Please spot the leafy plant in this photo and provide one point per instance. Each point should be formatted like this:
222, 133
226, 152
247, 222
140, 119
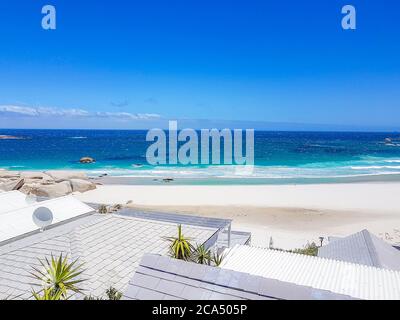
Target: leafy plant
103, 209
218, 258
180, 247
113, 294
58, 278
311, 249
91, 298
201, 255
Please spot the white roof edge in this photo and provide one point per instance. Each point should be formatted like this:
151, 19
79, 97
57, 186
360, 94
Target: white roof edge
18, 222
230, 251
2, 193
43, 203
355, 280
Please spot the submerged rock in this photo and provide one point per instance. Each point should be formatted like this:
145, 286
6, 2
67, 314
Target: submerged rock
6, 137
87, 160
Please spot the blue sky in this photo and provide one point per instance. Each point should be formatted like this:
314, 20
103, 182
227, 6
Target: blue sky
133, 64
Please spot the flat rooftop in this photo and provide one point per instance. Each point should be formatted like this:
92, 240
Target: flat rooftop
110, 246
178, 218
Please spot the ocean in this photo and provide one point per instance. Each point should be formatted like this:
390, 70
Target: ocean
280, 157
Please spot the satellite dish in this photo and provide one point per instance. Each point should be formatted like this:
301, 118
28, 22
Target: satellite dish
42, 217
30, 199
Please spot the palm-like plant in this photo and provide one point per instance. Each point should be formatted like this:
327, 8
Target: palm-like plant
218, 258
58, 278
47, 294
202, 255
180, 247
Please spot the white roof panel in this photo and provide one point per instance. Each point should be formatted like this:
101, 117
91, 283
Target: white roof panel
12, 200
17, 222
355, 280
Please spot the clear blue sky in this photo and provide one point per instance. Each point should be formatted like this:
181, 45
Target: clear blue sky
110, 62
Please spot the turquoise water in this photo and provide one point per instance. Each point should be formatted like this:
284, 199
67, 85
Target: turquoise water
279, 156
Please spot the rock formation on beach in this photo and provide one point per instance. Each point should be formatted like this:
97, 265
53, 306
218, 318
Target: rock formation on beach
49, 184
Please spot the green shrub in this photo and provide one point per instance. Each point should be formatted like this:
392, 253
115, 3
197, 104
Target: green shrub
103, 209
111, 293
311, 249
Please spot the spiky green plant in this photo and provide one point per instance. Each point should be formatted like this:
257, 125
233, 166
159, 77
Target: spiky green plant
47, 294
180, 247
218, 258
58, 278
201, 255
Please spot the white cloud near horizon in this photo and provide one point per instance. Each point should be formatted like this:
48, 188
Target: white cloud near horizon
21, 111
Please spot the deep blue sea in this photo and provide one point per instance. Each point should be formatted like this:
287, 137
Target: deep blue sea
279, 156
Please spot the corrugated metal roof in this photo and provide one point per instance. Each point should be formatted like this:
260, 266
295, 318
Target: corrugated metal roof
159, 277
363, 248
355, 280
17, 222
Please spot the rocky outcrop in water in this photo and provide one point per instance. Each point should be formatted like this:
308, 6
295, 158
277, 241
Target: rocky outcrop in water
51, 184
87, 160
6, 137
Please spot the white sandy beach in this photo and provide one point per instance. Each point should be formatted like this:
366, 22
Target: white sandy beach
291, 214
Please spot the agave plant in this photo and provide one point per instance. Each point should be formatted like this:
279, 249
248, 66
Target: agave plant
180, 247
59, 277
47, 294
201, 255
218, 258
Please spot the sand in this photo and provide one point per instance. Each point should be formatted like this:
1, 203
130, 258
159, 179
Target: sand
291, 214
